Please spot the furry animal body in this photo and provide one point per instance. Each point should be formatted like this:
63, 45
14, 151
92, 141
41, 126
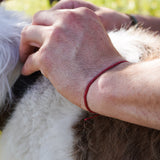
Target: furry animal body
46, 126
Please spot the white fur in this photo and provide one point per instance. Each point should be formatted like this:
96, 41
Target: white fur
41, 126
11, 24
131, 44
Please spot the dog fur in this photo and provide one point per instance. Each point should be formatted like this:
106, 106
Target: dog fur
46, 126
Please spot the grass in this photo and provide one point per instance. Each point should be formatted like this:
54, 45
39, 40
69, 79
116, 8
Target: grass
149, 7
28, 6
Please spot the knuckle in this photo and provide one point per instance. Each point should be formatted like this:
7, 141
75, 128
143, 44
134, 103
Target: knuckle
37, 16
56, 33
24, 31
70, 15
86, 11
78, 14
71, 18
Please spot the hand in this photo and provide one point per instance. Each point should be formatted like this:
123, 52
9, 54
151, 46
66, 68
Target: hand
109, 18
73, 48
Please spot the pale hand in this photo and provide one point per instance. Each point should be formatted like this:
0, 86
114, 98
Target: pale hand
73, 48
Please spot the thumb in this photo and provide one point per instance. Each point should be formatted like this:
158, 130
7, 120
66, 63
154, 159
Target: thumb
31, 65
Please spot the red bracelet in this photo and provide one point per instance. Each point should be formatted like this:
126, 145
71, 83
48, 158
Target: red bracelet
98, 75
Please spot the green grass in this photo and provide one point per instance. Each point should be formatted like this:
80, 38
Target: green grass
28, 6
149, 7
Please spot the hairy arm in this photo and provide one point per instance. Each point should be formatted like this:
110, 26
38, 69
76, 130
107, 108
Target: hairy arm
129, 92
73, 48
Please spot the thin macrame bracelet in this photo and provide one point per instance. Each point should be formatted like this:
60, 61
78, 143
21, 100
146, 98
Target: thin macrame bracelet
91, 82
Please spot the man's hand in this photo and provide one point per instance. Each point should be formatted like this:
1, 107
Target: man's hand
109, 18
73, 48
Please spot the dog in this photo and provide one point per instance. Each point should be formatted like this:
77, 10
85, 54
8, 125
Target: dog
40, 124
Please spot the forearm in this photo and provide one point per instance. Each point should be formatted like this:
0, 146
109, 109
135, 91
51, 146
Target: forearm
130, 93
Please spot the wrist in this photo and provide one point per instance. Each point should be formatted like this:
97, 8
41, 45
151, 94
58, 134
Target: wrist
112, 19
133, 20
125, 21
149, 22
92, 91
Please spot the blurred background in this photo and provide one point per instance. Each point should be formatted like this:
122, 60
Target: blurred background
148, 7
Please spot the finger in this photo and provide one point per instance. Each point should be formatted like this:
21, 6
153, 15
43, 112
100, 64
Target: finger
47, 17
42, 18
72, 4
31, 37
31, 65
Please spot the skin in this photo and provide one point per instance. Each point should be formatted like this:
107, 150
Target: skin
79, 55
129, 94
73, 47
